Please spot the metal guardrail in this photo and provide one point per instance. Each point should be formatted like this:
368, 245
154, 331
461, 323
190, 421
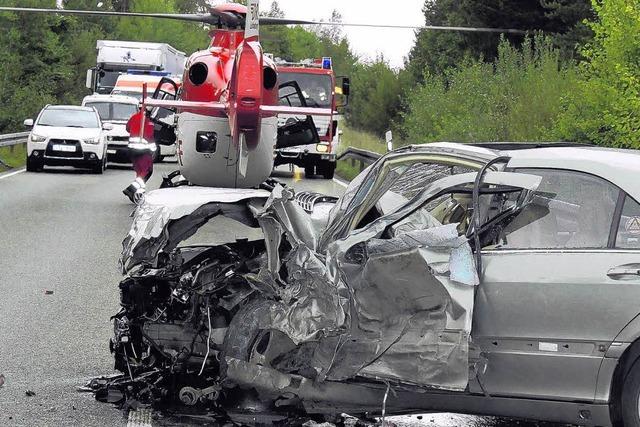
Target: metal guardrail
364, 157
12, 139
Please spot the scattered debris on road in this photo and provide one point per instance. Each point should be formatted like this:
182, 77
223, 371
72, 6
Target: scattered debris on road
1, 380
30, 393
48, 292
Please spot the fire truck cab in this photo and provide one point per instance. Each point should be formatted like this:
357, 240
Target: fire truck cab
315, 84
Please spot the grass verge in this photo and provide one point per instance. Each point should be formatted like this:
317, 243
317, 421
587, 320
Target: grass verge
358, 139
13, 157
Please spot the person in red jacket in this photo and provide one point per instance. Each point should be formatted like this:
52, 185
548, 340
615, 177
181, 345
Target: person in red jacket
142, 148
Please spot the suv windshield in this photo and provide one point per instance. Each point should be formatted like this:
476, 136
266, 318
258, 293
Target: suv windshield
316, 88
114, 111
67, 117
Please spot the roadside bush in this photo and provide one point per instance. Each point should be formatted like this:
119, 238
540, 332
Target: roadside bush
518, 97
605, 108
375, 96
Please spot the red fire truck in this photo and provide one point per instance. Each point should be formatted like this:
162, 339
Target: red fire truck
311, 83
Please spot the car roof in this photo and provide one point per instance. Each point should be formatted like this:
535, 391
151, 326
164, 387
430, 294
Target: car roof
68, 107
618, 166
621, 167
110, 98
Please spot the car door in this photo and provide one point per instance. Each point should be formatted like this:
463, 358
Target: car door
412, 279
556, 291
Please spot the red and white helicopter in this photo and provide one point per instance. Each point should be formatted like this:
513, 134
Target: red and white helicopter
225, 121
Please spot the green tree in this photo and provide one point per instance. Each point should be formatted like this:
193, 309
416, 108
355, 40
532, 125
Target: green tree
185, 36
36, 64
515, 98
605, 108
436, 51
376, 94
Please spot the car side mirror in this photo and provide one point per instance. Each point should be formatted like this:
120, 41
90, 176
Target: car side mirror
346, 86
28, 123
389, 138
107, 126
90, 79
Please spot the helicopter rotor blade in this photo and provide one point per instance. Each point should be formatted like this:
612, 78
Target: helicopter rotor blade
218, 17
285, 21
201, 18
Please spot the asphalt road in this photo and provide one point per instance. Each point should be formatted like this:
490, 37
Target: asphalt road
60, 237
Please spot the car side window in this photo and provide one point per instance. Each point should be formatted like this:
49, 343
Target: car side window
570, 210
628, 235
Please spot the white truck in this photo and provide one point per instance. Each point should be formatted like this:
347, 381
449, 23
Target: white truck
118, 57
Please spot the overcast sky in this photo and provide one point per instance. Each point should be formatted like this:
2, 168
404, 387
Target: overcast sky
367, 42
394, 44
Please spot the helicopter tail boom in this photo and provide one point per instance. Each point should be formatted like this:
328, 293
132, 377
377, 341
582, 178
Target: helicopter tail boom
252, 25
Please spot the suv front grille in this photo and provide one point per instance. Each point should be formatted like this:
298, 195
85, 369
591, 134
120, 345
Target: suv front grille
120, 138
51, 152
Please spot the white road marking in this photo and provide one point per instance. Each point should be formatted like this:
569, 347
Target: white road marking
340, 182
8, 174
140, 418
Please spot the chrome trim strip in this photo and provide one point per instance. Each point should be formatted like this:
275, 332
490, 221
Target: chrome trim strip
65, 158
559, 251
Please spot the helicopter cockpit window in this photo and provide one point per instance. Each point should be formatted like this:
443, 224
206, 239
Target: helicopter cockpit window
316, 88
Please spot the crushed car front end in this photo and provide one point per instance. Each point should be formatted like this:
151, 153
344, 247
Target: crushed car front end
360, 305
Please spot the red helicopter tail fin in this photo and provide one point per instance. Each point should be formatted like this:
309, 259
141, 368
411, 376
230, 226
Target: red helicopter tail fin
246, 82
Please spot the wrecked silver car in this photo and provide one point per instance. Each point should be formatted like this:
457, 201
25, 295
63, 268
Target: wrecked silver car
447, 277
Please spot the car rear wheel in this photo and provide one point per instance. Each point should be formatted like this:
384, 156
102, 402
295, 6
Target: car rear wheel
630, 402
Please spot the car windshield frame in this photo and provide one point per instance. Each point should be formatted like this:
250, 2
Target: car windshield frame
111, 108
368, 187
69, 117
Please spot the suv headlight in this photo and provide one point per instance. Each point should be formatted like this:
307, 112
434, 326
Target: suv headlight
37, 138
93, 140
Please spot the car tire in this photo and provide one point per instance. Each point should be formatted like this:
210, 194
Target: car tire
309, 171
327, 170
33, 165
630, 401
99, 168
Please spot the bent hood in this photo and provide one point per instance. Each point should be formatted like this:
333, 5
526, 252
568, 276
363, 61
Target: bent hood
171, 215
